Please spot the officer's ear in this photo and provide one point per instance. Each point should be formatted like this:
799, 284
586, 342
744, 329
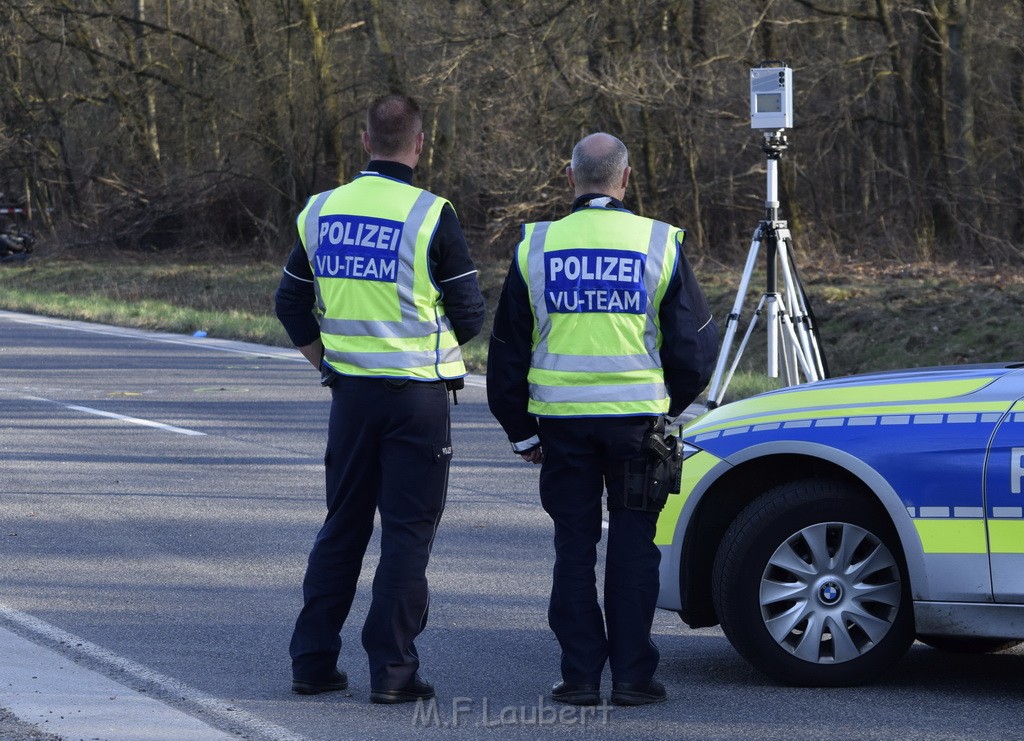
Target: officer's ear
625, 177
366, 143
419, 143
568, 174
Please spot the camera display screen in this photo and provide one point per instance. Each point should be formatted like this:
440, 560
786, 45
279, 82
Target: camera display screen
769, 103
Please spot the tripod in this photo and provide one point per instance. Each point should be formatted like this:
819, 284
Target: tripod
792, 334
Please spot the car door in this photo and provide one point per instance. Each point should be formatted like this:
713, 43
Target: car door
1004, 505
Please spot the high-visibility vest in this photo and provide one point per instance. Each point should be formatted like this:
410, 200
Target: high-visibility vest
596, 279
380, 312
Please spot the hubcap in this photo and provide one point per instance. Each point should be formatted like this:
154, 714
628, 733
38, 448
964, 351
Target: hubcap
830, 592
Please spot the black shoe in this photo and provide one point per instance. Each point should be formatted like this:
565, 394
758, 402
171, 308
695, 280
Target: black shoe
417, 689
638, 693
336, 682
576, 694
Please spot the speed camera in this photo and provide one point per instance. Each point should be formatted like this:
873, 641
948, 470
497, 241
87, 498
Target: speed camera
771, 98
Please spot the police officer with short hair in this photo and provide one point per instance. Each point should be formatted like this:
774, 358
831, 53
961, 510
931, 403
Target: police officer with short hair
601, 330
378, 294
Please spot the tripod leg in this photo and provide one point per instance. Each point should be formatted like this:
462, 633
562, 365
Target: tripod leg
782, 341
785, 346
739, 353
805, 343
815, 353
717, 389
773, 319
795, 356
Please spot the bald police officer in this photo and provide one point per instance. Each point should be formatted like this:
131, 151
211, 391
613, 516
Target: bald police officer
600, 331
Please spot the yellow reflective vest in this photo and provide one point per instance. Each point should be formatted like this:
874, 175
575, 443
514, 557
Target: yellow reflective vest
380, 311
596, 279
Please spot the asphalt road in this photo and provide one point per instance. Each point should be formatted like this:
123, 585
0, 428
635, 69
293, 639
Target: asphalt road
158, 497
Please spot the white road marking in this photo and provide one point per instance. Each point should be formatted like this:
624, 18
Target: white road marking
120, 417
232, 346
134, 420
48, 689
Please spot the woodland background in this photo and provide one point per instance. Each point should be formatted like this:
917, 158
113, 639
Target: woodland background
191, 123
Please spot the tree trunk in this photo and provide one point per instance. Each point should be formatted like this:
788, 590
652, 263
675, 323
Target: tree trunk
392, 77
146, 83
1016, 67
330, 109
268, 124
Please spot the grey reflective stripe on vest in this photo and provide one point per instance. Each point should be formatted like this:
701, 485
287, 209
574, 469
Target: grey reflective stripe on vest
656, 249
401, 360
312, 225
407, 254
535, 268
593, 363
312, 231
584, 394
403, 330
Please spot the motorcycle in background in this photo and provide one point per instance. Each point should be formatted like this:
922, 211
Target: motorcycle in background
16, 244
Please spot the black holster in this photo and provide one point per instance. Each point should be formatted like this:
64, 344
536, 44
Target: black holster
455, 385
327, 374
656, 472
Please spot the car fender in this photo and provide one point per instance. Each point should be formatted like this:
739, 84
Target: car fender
673, 539
910, 541
670, 539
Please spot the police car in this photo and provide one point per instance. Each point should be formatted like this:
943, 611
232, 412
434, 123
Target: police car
827, 525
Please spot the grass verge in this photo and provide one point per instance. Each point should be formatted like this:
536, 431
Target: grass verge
872, 315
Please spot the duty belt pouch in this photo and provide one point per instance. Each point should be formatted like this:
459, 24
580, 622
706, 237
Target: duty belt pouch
455, 385
655, 473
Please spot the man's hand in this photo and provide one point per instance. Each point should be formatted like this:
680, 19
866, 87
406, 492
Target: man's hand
534, 455
674, 424
529, 450
313, 352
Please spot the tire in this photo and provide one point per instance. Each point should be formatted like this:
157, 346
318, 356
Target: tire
968, 644
810, 586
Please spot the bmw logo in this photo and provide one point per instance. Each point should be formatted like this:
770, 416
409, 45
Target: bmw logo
830, 592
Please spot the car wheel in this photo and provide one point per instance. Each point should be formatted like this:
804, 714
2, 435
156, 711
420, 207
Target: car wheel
968, 644
810, 586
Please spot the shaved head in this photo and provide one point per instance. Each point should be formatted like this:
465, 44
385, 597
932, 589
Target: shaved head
598, 161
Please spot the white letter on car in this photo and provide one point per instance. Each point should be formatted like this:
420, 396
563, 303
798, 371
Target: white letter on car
1016, 469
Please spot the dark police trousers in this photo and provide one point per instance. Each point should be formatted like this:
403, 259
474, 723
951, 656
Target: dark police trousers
388, 449
581, 457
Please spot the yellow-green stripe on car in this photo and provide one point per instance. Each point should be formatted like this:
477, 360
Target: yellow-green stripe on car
952, 535
694, 469
1006, 536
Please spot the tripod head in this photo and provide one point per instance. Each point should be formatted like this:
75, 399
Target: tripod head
774, 144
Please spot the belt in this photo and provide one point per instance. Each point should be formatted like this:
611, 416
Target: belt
395, 382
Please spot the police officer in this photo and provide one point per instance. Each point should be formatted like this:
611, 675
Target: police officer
378, 294
601, 329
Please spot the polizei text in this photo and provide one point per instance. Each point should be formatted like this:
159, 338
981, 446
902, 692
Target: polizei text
610, 281
357, 247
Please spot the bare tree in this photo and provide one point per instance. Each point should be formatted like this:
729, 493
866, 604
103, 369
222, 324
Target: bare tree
199, 121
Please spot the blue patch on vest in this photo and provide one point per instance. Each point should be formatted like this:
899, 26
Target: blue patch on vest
586, 281
357, 247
